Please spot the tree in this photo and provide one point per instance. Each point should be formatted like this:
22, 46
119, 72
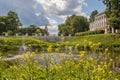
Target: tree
92, 16
37, 31
10, 22
113, 12
3, 24
65, 29
73, 24
14, 21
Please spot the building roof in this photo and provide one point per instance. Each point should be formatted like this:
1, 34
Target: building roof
100, 14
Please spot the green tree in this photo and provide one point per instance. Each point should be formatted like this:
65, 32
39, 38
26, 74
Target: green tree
113, 12
73, 24
37, 31
92, 16
14, 21
3, 27
10, 22
65, 29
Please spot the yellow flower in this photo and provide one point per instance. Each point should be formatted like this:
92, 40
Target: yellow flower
99, 43
85, 40
111, 60
116, 79
91, 59
90, 43
99, 68
110, 72
67, 42
82, 53
106, 50
57, 49
36, 50
76, 46
94, 71
49, 49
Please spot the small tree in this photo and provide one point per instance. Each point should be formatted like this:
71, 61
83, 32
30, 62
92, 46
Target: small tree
92, 16
113, 13
10, 32
37, 31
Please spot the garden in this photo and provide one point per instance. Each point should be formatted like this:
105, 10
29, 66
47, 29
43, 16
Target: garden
77, 58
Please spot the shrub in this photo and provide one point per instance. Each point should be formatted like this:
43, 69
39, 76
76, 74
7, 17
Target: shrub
90, 32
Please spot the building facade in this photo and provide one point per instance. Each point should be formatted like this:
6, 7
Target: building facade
100, 22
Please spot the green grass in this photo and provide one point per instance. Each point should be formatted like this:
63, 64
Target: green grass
14, 43
74, 68
107, 40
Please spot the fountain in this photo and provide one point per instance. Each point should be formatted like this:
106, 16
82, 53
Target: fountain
23, 48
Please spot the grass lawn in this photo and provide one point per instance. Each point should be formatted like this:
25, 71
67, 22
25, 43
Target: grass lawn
107, 40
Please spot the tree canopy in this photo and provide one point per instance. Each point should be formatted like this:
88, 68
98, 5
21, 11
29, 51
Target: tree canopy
31, 30
113, 12
73, 24
92, 16
10, 22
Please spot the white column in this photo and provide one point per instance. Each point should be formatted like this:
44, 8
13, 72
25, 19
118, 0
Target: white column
113, 31
106, 31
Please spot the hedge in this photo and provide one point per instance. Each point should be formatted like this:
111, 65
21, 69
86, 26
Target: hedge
90, 32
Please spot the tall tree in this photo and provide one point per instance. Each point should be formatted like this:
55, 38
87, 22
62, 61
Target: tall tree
73, 24
92, 16
14, 21
3, 24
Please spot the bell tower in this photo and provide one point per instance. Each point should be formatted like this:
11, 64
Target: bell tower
46, 29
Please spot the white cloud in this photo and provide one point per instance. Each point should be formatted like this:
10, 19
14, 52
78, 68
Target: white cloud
52, 26
61, 9
41, 12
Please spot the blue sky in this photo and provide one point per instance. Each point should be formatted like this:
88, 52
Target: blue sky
93, 5
51, 12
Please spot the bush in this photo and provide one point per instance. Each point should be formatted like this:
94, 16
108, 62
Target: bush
10, 32
90, 33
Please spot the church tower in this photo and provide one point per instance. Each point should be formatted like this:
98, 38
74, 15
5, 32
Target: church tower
46, 29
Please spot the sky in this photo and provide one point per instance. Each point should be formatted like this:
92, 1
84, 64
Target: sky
50, 12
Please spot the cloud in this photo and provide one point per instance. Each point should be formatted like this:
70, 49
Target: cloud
42, 12
61, 7
52, 27
25, 10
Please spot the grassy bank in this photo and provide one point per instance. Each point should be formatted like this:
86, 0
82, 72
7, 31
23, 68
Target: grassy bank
15, 43
108, 40
89, 41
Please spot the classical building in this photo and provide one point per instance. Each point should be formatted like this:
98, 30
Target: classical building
100, 23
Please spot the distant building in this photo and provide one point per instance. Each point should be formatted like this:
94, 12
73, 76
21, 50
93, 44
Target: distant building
46, 29
100, 23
